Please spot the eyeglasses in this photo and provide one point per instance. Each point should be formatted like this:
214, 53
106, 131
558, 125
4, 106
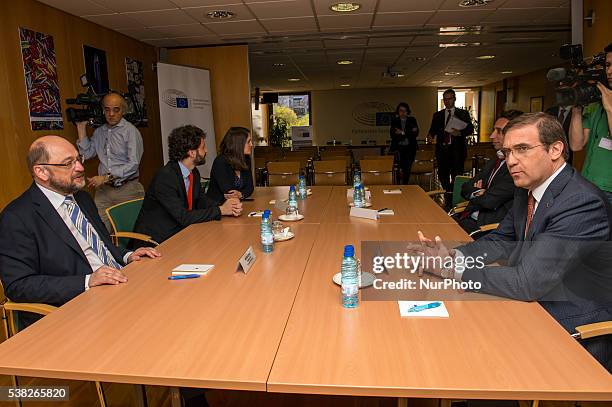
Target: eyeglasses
69, 164
519, 151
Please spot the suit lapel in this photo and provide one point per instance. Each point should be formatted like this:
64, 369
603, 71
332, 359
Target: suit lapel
547, 201
50, 216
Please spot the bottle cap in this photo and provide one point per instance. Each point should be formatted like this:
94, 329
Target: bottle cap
349, 250
292, 188
266, 213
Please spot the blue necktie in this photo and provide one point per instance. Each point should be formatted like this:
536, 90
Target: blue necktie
89, 233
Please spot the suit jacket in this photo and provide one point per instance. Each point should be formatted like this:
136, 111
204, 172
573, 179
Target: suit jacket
494, 204
40, 260
438, 123
222, 177
164, 209
564, 261
411, 131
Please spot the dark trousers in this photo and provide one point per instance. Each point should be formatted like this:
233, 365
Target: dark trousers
405, 157
450, 161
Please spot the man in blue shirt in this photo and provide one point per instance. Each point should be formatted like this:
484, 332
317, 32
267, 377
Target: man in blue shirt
118, 146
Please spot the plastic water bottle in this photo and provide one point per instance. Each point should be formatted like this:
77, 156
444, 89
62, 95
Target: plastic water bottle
356, 178
292, 197
358, 197
302, 187
350, 278
267, 237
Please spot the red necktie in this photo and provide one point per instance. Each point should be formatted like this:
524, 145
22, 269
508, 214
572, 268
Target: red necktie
530, 208
190, 192
561, 115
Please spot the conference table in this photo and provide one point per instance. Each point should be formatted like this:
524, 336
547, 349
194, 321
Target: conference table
281, 327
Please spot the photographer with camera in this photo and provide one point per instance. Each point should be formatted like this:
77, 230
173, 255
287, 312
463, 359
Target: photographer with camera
118, 145
590, 130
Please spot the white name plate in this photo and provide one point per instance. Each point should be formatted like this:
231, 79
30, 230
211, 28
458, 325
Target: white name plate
364, 213
247, 260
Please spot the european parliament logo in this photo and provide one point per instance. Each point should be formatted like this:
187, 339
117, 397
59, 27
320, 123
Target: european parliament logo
182, 103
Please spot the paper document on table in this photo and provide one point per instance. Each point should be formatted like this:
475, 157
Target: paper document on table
436, 312
201, 269
456, 124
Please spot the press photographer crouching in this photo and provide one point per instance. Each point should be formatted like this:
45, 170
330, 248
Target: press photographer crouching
119, 147
590, 128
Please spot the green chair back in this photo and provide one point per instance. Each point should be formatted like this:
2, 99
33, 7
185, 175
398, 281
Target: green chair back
123, 217
459, 181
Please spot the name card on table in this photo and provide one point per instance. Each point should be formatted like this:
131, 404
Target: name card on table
392, 191
364, 213
247, 260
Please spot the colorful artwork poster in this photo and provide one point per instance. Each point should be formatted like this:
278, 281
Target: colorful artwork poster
96, 69
135, 82
42, 87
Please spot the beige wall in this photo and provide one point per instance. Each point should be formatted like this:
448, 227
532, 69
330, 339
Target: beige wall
69, 34
334, 112
229, 81
597, 37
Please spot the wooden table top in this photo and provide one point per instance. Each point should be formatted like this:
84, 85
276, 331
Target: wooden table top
411, 206
484, 350
312, 207
218, 331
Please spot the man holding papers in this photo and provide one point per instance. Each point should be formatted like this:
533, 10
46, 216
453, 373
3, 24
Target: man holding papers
450, 126
554, 244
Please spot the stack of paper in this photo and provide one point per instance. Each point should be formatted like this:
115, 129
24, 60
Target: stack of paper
201, 269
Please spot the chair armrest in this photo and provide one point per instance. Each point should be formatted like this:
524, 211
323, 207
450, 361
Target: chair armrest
436, 192
485, 228
592, 330
41, 309
137, 236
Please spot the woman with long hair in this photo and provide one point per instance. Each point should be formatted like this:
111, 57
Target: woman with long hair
231, 176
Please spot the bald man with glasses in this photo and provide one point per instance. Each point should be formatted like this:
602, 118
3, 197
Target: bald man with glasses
53, 244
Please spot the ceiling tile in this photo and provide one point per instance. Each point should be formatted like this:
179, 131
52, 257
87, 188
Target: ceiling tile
115, 21
290, 24
163, 17
143, 33
531, 3
78, 8
398, 6
459, 17
454, 5
386, 41
202, 3
417, 18
241, 13
503, 16
163, 42
361, 21
121, 6
236, 27
348, 43
282, 9
197, 41
183, 30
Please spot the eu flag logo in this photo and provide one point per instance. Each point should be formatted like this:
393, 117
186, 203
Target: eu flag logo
182, 103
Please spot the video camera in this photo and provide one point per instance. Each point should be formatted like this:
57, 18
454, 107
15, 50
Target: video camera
578, 84
93, 111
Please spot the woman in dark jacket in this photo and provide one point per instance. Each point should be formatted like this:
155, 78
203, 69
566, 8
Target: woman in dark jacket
230, 176
404, 131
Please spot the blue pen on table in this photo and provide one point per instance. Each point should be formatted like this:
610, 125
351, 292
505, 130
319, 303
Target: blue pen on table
183, 277
383, 209
418, 308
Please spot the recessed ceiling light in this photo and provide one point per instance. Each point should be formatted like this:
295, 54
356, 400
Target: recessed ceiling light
474, 3
400, 75
452, 73
458, 44
278, 65
345, 7
486, 57
220, 14
436, 81
456, 30
345, 85
506, 72
345, 62
294, 79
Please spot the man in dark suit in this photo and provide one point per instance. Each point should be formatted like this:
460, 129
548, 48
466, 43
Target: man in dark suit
564, 116
491, 192
555, 242
53, 244
175, 199
451, 143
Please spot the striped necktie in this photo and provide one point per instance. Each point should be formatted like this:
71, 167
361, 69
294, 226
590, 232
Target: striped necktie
89, 233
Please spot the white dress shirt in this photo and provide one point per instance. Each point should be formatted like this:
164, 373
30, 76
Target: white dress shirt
57, 201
